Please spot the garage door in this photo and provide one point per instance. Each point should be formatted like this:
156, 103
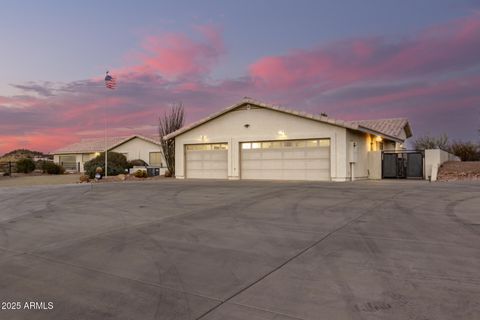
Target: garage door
286, 160
68, 162
207, 161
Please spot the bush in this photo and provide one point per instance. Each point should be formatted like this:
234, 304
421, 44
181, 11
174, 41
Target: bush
140, 174
467, 151
167, 174
52, 168
84, 178
428, 142
117, 163
137, 163
25, 165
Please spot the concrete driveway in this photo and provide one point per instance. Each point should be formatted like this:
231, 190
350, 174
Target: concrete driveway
241, 250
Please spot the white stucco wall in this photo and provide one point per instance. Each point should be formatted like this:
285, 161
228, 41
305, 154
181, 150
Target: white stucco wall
138, 149
374, 165
264, 125
357, 158
434, 158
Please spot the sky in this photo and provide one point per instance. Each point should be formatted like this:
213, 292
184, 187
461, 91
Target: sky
353, 60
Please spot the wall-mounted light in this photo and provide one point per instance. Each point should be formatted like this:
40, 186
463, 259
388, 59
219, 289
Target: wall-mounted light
203, 138
378, 139
97, 154
282, 133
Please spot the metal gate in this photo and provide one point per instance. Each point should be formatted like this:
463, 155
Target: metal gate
402, 164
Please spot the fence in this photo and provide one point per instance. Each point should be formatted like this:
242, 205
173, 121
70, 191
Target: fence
7, 168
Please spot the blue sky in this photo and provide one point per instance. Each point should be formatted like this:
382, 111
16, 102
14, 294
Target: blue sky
59, 43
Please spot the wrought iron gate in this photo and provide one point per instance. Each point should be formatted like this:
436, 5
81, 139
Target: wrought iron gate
402, 164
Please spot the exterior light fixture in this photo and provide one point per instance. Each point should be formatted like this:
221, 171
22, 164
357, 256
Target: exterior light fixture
378, 139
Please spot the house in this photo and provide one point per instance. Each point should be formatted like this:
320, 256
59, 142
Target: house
255, 140
74, 156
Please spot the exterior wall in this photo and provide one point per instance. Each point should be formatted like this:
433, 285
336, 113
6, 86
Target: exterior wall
357, 157
134, 149
374, 165
80, 158
263, 125
138, 149
434, 158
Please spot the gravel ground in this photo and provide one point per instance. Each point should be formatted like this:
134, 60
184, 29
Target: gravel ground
459, 170
35, 180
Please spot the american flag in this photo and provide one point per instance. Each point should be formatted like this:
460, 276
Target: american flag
110, 82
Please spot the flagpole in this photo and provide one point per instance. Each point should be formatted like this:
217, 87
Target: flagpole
110, 84
106, 149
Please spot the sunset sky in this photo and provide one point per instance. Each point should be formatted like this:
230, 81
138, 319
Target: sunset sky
351, 59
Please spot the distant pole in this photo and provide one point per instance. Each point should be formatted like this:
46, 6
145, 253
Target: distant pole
110, 83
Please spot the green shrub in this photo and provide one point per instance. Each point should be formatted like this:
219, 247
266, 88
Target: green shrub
117, 163
25, 165
137, 163
52, 168
140, 174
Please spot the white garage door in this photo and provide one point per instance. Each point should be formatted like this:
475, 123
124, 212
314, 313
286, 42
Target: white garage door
286, 160
207, 161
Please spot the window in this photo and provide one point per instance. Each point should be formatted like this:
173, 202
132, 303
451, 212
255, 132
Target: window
256, 145
207, 147
155, 159
310, 143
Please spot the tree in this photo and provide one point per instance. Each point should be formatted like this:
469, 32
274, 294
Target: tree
467, 151
171, 121
25, 165
430, 142
117, 163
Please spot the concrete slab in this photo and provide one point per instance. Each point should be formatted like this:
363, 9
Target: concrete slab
242, 250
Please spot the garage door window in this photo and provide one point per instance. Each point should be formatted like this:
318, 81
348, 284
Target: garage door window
313, 143
207, 147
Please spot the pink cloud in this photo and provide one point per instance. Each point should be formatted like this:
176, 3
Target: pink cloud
425, 78
449, 47
177, 55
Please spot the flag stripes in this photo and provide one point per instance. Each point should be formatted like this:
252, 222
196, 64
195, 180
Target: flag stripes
110, 82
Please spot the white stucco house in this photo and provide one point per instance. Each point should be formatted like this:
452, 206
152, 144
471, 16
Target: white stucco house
255, 140
72, 157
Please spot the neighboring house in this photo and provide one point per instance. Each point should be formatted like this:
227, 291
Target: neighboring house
74, 156
254, 140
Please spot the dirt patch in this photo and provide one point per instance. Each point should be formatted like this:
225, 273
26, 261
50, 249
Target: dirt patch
24, 180
459, 170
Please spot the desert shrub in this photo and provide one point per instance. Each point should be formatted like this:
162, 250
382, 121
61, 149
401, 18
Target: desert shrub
117, 163
140, 174
167, 174
137, 163
84, 178
52, 168
25, 165
467, 151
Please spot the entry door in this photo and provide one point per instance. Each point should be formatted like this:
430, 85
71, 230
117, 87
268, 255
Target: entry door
206, 161
286, 160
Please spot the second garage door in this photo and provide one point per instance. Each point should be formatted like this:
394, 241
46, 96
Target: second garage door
286, 160
207, 161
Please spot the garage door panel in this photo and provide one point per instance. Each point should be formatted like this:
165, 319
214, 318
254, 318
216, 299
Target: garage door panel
291, 160
207, 163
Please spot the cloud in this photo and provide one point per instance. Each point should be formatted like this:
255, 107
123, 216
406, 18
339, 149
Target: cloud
175, 55
44, 90
454, 46
431, 78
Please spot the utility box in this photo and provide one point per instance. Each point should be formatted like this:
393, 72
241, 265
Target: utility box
153, 171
